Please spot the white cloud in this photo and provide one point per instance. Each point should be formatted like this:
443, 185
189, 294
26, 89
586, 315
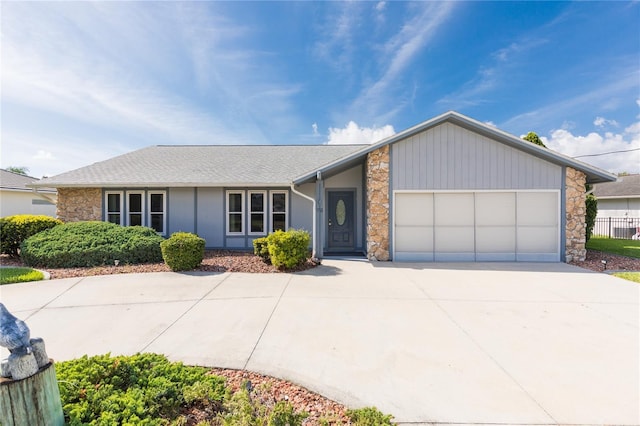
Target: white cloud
564, 141
603, 122
491, 123
352, 134
314, 127
381, 5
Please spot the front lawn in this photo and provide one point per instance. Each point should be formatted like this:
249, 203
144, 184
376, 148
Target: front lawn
630, 248
19, 275
631, 276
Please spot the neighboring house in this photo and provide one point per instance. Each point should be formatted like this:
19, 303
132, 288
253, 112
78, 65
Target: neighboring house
448, 189
618, 208
619, 199
17, 198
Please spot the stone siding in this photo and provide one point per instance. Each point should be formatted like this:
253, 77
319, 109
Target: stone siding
79, 204
378, 204
576, 210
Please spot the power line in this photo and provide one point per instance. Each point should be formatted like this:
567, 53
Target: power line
607, 153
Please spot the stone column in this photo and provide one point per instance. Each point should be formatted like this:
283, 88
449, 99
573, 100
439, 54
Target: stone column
575, 215
378, 204
79, 204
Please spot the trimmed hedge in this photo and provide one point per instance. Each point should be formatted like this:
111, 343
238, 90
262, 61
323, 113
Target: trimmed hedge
288, 249
591, 204
17, 228
84, 244
183, 251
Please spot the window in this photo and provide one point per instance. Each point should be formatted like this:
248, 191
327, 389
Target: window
257, 213
235, 212
135, 208
278, 212
113, 207
157, 207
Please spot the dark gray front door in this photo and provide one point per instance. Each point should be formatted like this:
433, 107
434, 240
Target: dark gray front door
341, 221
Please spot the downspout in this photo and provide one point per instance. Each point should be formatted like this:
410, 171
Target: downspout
313, 234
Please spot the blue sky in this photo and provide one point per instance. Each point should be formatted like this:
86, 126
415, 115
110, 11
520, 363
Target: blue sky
83, 82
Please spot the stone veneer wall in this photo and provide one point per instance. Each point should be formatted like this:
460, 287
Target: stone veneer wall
378, 204
576, 210
78, 204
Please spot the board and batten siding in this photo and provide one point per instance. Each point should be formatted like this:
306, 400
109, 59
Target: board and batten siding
449, 157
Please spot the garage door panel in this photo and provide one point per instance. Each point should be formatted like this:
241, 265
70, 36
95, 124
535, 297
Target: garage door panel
454, 209
414, 238
537, 239
414, 209
495, 239
537, 209
495, 208
454, 239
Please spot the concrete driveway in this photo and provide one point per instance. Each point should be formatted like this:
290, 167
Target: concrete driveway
430, 343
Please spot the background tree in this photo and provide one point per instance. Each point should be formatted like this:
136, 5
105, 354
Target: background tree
534, 138
21, 170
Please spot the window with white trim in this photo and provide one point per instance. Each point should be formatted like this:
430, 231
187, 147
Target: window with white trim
113, 207
135, 208
257, 212
157, 218
278, 210
235, 212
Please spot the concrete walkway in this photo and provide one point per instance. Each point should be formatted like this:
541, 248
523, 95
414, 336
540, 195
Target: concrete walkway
437, 343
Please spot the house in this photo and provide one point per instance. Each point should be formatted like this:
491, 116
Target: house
449, 189
618, 208
17, 198
620, 198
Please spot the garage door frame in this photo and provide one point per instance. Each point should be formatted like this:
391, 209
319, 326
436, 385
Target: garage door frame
519, 255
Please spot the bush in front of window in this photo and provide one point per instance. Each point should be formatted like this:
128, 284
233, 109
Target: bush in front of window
183, 251
261, 248
288, 249
86, 244
17, 228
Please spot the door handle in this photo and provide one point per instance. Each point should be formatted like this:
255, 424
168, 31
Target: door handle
329, 222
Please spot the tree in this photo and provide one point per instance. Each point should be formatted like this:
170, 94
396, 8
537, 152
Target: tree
591, 204
534, 138
21, 170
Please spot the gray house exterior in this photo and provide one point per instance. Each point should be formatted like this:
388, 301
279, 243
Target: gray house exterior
448, 189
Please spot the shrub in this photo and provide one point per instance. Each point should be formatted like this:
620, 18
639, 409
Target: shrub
15, 229
143, 388
84, 244
183, 251
591, 204
288, 249
261, 248
368, 416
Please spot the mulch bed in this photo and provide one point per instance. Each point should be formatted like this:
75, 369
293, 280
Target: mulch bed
614, 262
214, 261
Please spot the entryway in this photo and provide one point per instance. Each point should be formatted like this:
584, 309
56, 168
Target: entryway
341, 221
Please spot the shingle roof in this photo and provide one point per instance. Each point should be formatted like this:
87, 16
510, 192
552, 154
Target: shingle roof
17, 182
625, 187
203, 165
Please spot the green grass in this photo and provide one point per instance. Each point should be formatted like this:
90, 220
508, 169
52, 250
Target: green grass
631, 276
630, 248
19, 275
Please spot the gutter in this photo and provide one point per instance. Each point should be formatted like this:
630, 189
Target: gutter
313, 234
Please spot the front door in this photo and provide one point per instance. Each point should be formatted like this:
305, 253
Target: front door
341, 221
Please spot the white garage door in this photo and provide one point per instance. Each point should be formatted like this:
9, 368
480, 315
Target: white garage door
476, 226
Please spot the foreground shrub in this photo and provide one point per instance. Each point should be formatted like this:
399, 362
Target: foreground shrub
183, 251
591, 204
288, 249
261, 248
19, 275
83, 244
143, 388
369, 416
15, 229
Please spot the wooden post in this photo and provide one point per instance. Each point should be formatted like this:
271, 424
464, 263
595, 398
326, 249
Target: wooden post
31, 401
